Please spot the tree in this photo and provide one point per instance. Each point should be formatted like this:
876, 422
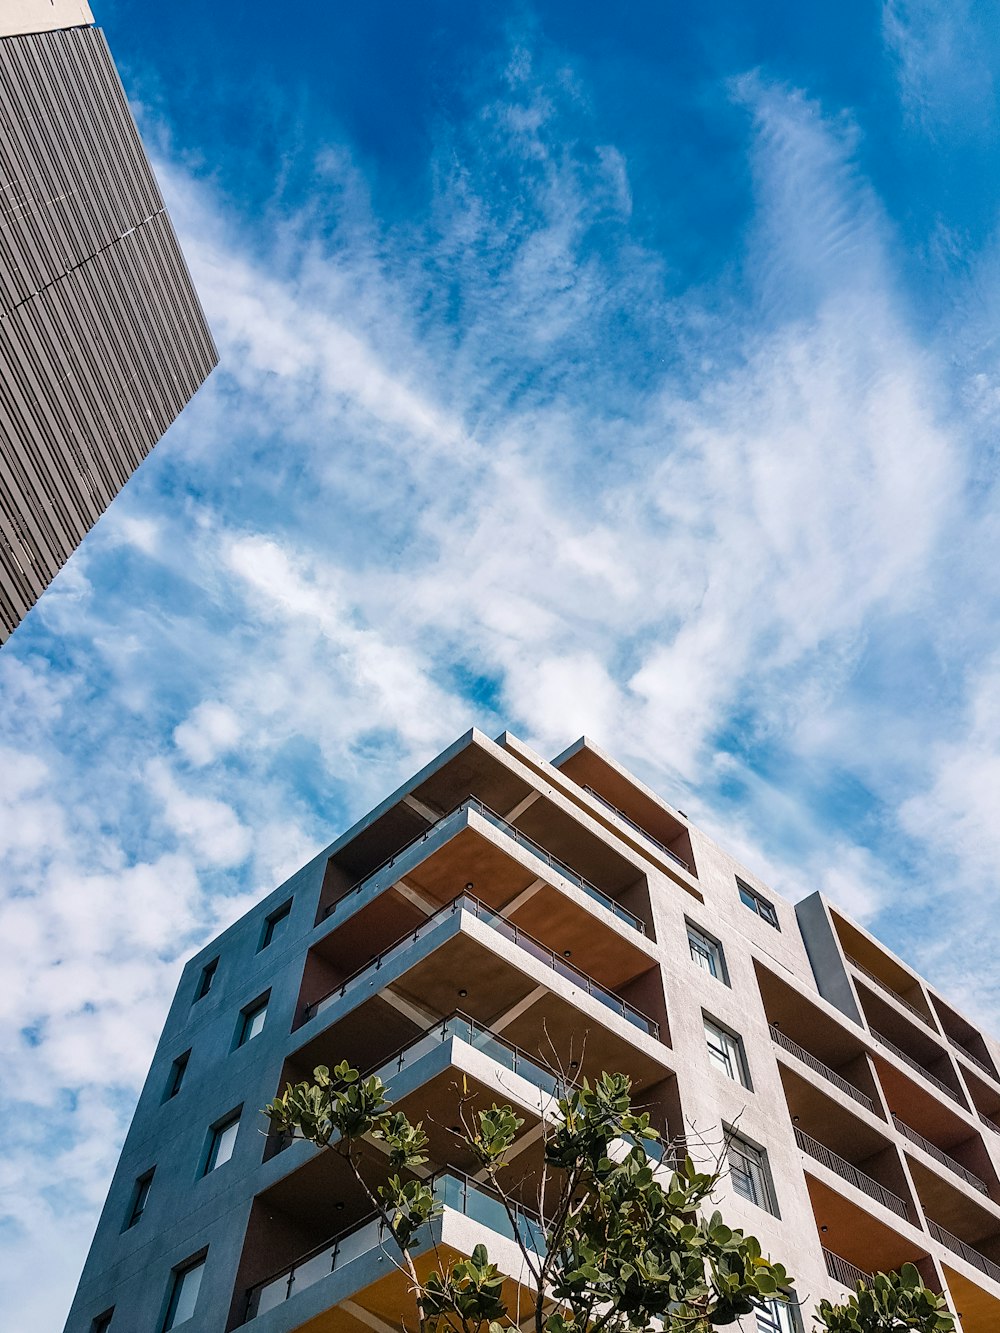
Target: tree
611, 1248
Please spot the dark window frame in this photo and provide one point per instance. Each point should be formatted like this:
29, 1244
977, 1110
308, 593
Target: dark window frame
247, 1015
760, 1191
737, 1057
102, 1322
715, 948
216, 1132
758, 904
207, 978
275, 923
178, 1072
178, 1276
140, 1198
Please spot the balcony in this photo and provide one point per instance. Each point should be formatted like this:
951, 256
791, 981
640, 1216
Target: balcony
453, 822
847, 1274
630, 805
960, 1247
678, 860
888, 990
940, 1155
834, 1162
468, 956
367, 1240
818, 1067
900, 1054
539, 954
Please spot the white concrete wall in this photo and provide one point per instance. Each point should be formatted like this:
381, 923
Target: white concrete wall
18, 17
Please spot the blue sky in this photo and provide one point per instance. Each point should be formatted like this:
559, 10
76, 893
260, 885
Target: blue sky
635, 377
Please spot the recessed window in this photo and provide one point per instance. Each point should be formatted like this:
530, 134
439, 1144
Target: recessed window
275, 924
103, 1321
176, 1077
251, 1021
757, 903
207, 977
140, 1195
707, 953
725, 1050
222, 1141
749, 1174
184, 1287
776, 1316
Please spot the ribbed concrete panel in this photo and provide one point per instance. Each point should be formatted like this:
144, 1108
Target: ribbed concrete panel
102, 338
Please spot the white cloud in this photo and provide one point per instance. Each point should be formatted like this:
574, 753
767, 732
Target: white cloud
209, 731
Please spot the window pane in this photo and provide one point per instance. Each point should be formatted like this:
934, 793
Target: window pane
705, 952
223, 1143
207, 977
255, 1021
184, 1295
748, 898
749, 1174
177, 1070
775, 1317
275, 924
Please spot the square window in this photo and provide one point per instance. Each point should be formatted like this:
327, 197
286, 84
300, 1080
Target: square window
757, 903
707, 953
251, 1021
103, 1321
140, 1195
749, 1174
176, 1078
184, 1287
221, 1142
207, 977
725, 1050
275, 924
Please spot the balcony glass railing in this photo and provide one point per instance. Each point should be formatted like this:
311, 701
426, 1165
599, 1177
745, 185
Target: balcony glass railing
939, 1154
638, 828
515, 834
539, 953
970, 1255
915, 1064
831, 1075
847, 1171
451, 1188
480, 1038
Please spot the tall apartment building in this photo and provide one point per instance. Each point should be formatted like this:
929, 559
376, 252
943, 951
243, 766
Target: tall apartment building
496, 915
102, 338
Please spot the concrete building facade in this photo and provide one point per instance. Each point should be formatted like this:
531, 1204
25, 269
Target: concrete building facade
102, 337
498, 916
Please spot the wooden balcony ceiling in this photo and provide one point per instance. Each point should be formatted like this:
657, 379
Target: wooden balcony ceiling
978, 1309
853, 1233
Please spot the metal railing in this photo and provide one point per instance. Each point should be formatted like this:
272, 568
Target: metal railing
638, 828
831, 1075
451, 1188
478, 1036
498, 822
884, 985
843, 1271
980, 1064
847, 1171
970, 1255
915, 1064
465, 902
990, 1124
939, 1154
